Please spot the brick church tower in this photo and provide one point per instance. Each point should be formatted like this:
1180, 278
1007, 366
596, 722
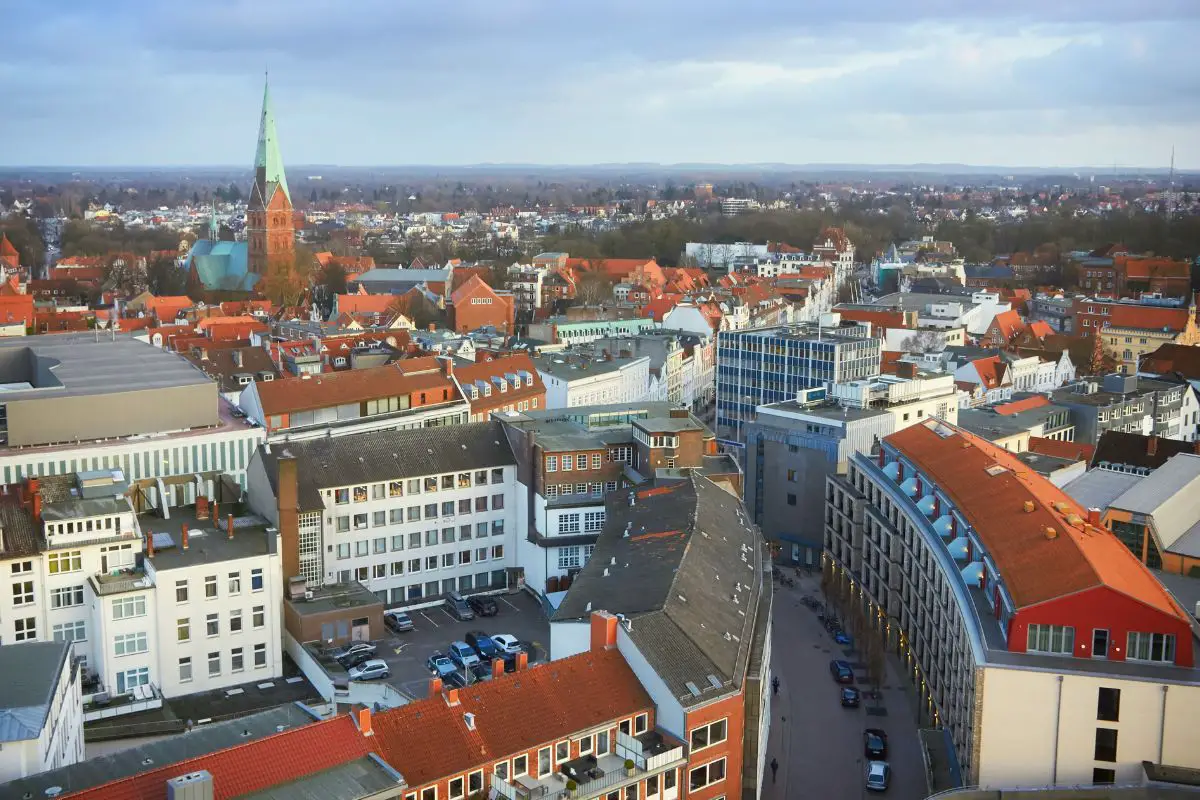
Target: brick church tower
269, 226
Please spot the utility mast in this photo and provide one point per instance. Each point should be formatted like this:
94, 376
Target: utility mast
1171, 185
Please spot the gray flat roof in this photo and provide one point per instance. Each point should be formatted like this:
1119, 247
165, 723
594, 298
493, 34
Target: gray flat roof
334, 597
72, 365
916, 301
208, 541
830, 411
363, 777
568, 367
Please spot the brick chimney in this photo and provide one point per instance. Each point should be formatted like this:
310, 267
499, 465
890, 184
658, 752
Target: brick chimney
522, 661
906, 369
216, 513
604, 631
435, 687
149, 544
288, 500
201, 507
183, 534
229, 525
35, 499
447, 365
497, 667
452, 697
364, 722
1152, 445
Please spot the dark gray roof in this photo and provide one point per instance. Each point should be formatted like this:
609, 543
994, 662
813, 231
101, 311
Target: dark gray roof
388, 455
200, 740
19, 537
1134, 449
364, 777
30, 671
690, 551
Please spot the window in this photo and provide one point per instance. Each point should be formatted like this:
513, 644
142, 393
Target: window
360, 522
1058, 639
343, 524
497, 551
414, 565
343, 550
214, 664
568, 523
497, 527
475, 781
568, 463
431, 562
185, 669
1151, 647
70, 632
631, 792
66, 597
58, 563
497, 502
127, 607
502, 770
429, 793
128, 644
22, 567
455, 788
256, 580
562, 752
707, 775
447, 560
396, 489
520, 765
414, 513
1108, 705
585, 745
1106, 744
1102, 776
341, 496
235, 621
130, 679
260, 655
593, 521
183, 629
378, 519
235, 583
26, 629
498, 475
212, 624
210, 586
710, 734
237, 661
362, 548
551, 463
639, 724
181, 591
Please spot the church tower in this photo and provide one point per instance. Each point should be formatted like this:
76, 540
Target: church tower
269, 225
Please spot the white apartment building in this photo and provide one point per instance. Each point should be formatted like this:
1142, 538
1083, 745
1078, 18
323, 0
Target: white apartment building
571, 381
41, 709
410, 515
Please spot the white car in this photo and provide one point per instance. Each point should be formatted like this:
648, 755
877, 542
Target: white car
507, 643
878, 775
370, 670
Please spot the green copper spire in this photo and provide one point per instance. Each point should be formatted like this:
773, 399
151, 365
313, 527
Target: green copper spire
214, 227
267, 156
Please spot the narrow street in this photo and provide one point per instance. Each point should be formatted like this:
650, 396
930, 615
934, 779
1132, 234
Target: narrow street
817, 742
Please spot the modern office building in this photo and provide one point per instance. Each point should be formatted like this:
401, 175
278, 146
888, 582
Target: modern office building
771, 365
1033, 635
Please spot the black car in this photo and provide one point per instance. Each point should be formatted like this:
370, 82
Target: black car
354, 659
482, 644
479, 672
875, 744
850, 697
841, 671
455, 680
483, 606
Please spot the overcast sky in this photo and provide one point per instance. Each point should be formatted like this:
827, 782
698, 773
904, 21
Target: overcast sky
388, 82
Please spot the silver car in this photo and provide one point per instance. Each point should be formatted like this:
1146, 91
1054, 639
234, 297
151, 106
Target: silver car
878, 775
370, 670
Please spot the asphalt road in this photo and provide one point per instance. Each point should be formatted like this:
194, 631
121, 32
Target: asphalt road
819, 744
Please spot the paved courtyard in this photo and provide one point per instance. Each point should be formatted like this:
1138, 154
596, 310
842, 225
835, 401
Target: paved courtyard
819, 744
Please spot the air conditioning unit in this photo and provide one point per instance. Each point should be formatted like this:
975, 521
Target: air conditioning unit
308, 595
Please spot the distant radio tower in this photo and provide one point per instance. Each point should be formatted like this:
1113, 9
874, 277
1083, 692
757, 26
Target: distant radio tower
1171, 184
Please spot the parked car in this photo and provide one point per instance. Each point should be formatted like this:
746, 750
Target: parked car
398, 621
370, 670
484, 646
353, 649
878, 775
483, 606
850, 697
875, 744
507, 643
480, 672
455, 680
354, 660
440, 665
458, 607
841, 672
843, 638
462, 654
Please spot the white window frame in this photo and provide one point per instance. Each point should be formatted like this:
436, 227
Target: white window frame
707, 728
706, 766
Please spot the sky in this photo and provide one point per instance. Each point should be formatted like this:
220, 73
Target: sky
398, 82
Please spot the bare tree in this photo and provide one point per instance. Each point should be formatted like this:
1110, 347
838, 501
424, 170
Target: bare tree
594, 287
924, 341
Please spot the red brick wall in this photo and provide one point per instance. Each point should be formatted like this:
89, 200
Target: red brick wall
733, 710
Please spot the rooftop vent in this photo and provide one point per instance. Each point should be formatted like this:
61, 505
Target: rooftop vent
1051, 533
693, 688
996, 469
1029, 506
469, 719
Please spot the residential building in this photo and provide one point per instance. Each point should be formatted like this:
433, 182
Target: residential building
410, 394
833, 246
1141, 327
577, 379
570, 459
492, 385
770, 365
41, 709
561, 330
1136, 453
1124, 403
1013, 425
1033, 636
233, 368
680, 362
409, 514
685, 579
973, 311
1055, 311
1131, 345
476, 305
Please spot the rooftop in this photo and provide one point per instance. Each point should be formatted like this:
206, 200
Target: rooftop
682, 562
208, 540
31, 671
1096, 488
335, 597
1135, 450
832, 412
329, 389
568, 366
1168, 496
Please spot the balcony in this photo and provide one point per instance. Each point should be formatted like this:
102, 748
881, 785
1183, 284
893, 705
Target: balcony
595, 776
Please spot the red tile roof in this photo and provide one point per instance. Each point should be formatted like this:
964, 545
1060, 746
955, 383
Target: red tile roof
1074, 451
1008, 323
990, 371
1017, 406
249, 767
990, 487
339, 388
1170, 358
364, 303
429, 740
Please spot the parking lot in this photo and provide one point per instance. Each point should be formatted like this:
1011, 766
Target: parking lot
434, 629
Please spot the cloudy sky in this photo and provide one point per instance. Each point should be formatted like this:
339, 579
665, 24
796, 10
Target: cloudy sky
388, 82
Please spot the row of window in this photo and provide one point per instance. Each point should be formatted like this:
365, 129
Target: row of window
446, 560
566, 489
575, 557
237, 662
85, 526
397, 488
579, 461
212, 623
211, 585
1060, 640
397, 516
593, 522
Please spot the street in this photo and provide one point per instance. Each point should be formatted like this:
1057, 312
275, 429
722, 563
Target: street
817, 742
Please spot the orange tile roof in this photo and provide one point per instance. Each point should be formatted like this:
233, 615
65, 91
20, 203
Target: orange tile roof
364, 303
1040, 328
1128, 315
1035, 569
167, 307
990, 370
1008, 322
1017, 406
249, 767
428, 740
1074, 451
475, 285
339, 388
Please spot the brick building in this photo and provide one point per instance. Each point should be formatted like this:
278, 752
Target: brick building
476, 305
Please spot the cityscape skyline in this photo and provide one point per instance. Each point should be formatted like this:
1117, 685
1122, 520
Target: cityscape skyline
1020, 86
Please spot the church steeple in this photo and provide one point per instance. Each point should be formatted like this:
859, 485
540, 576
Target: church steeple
214, 228
266, 157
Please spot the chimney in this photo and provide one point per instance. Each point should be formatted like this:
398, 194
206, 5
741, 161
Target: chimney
522, 661
201, 507
149, 544
35, 498
184, 535
1093, 518
906, 369
497, 667
1152, 445
288, 502
229, 525
435, 687
237, 358
452, 697
604, 631
447, 365
364, 722
216, 513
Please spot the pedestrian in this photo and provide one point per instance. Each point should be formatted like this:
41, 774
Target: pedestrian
775, 685
774, 769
